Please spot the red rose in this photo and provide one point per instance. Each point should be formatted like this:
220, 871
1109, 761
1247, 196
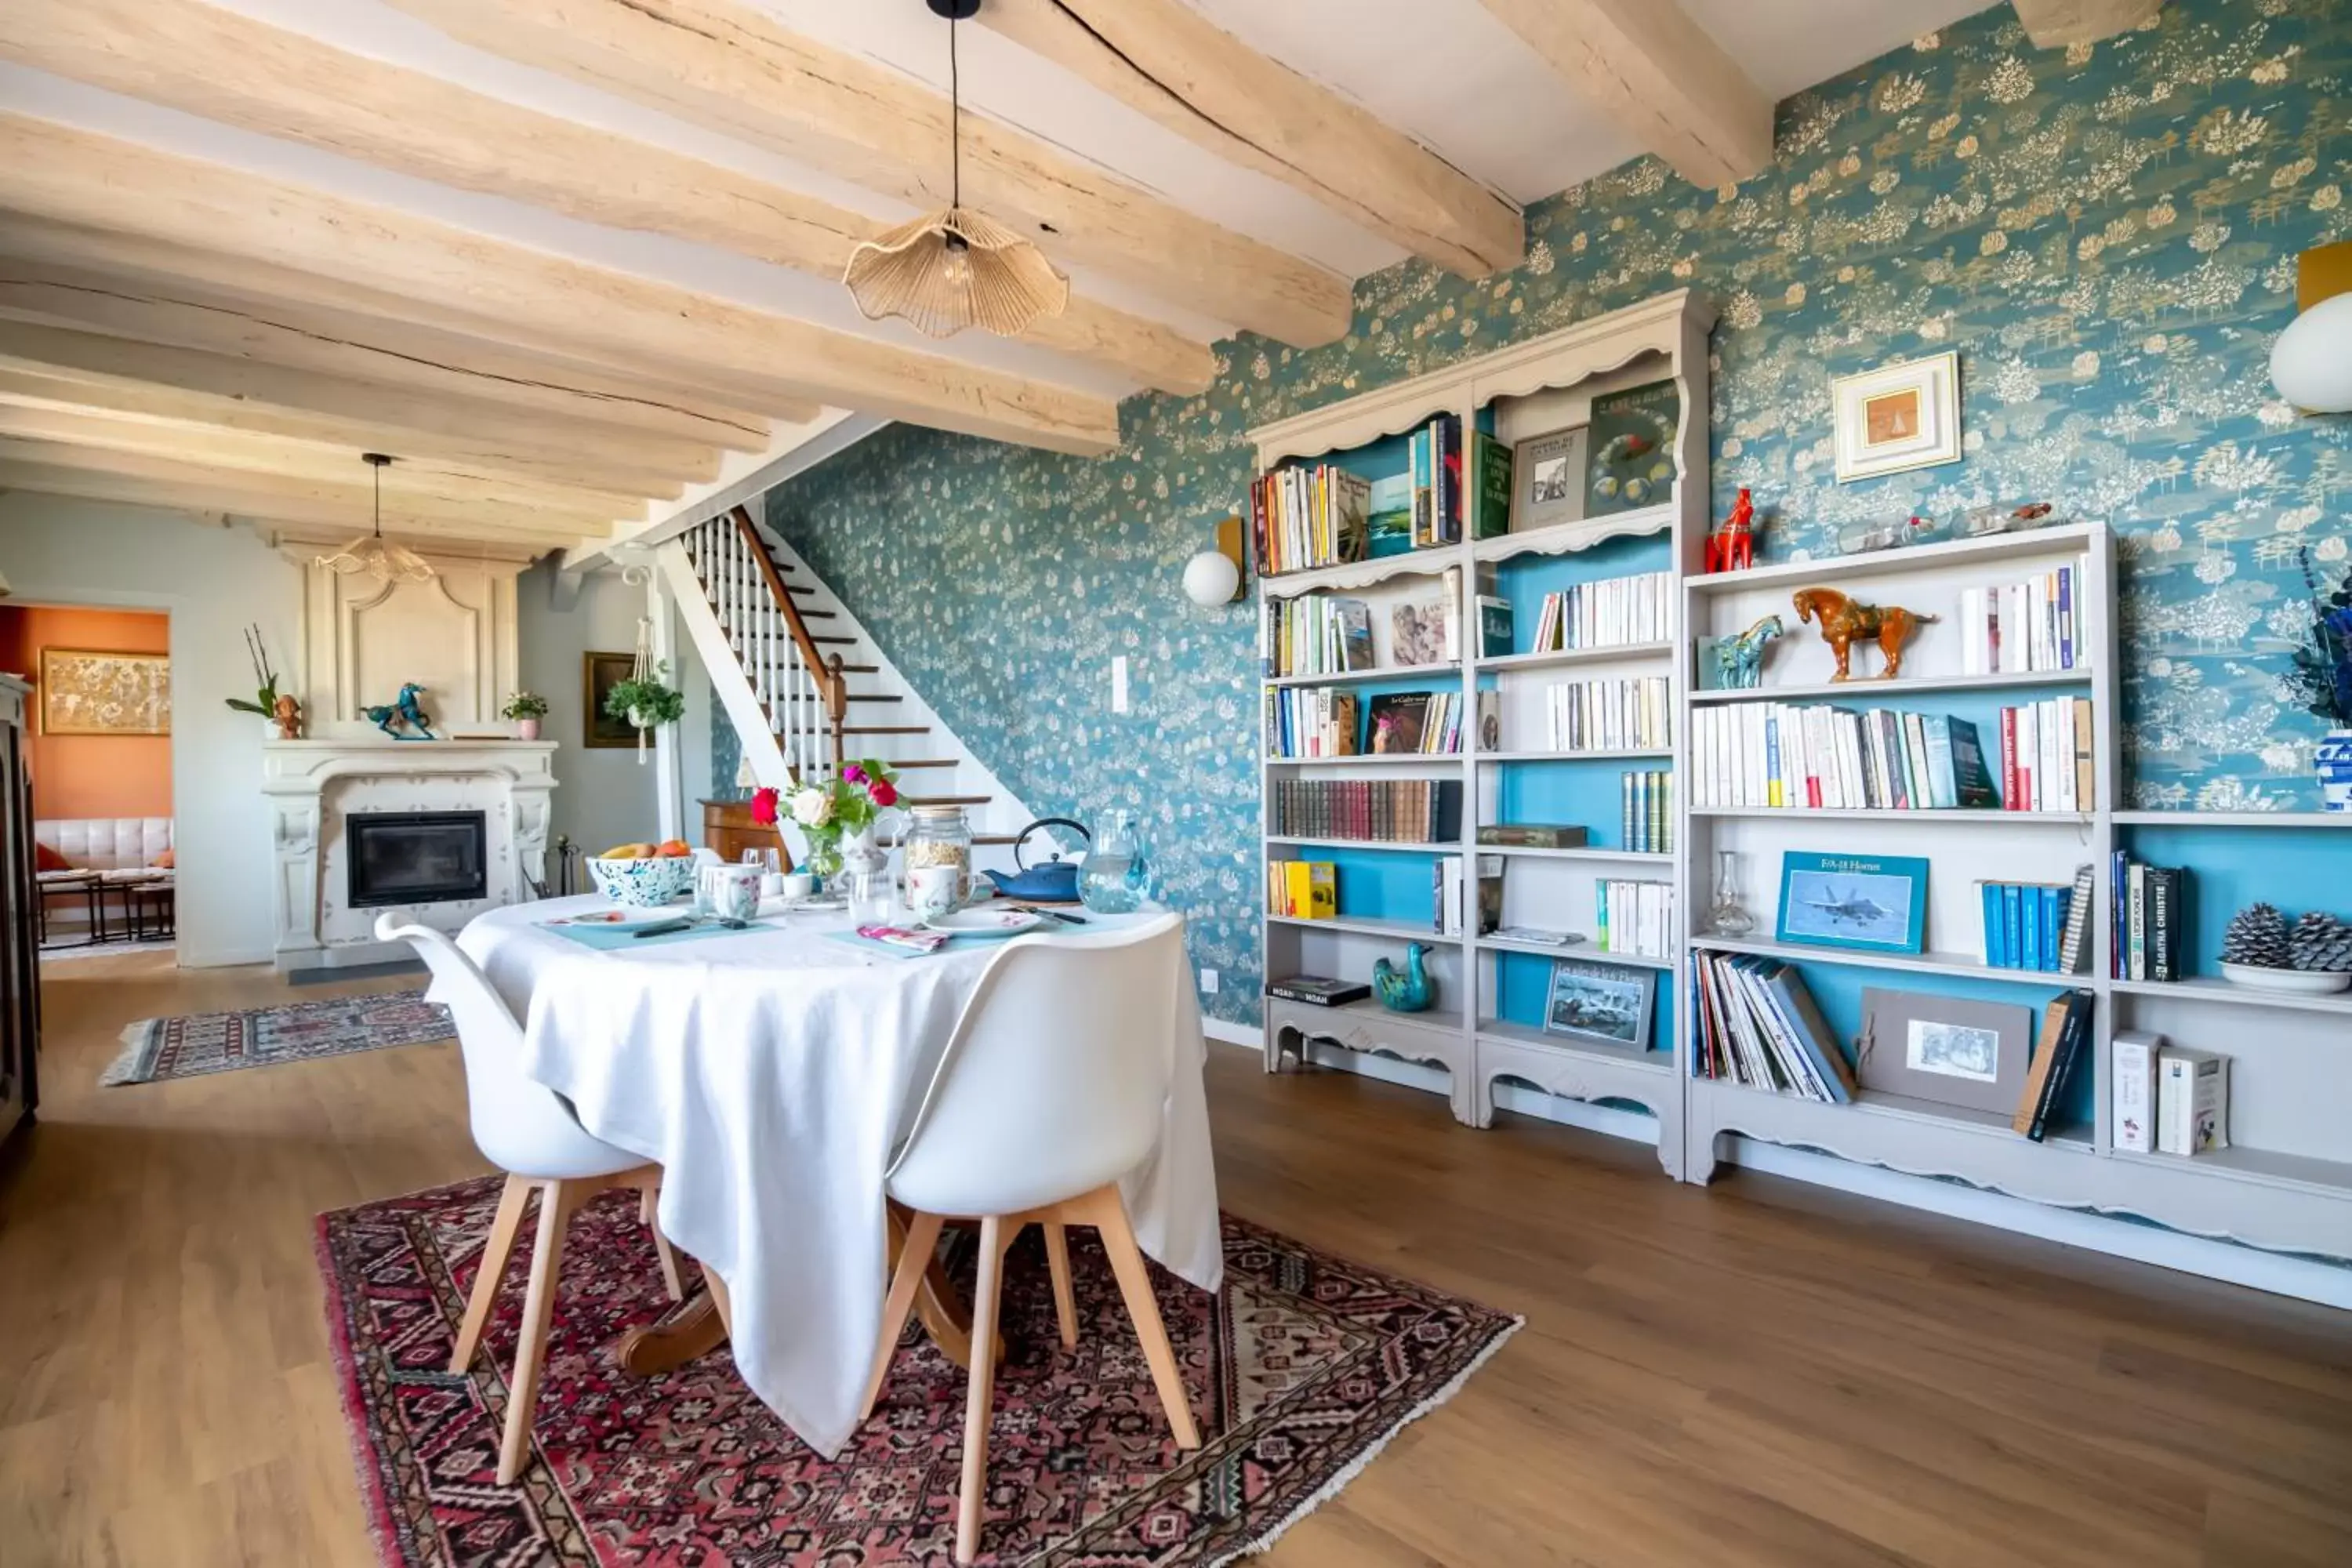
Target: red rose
884, 793
763, 807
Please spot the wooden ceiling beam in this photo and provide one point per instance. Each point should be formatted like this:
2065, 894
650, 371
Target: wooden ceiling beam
67, 370
208, 61
1658, 75
1166, 60
2054, 24
67, 175
734, 68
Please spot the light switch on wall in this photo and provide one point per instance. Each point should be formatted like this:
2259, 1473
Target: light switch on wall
1119, 683
1208, 981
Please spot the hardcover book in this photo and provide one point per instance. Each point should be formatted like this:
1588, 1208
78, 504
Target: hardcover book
1398, 720
1318, 990
1629, 449
1490, 484
1533, 835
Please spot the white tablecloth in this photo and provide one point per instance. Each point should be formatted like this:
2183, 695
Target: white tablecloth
771, 1076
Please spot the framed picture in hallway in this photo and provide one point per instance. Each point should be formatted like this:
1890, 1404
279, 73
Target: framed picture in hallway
84, 692
599, 673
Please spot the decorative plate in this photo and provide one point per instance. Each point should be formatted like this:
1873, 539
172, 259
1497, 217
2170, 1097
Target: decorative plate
986, 923
2300, 982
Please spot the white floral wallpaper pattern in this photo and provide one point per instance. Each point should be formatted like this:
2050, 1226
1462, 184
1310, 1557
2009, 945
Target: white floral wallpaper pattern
2106, 234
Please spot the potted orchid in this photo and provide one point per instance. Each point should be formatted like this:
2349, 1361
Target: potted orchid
2321, 679
838, 817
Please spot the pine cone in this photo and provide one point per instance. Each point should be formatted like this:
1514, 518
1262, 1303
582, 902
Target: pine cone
2258, 936
2322, 943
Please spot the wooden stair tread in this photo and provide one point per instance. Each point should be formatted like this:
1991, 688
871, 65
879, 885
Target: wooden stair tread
885, 729
997, 838
946, 799
922, 762
873, 697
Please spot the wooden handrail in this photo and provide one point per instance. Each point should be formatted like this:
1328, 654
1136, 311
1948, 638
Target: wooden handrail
831, 683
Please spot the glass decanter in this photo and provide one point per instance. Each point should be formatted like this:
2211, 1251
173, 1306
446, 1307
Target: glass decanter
1726, 916
1112, 877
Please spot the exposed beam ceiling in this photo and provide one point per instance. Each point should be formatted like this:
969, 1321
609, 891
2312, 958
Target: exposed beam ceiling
741, 72
2053, 24
66, 176
225, 67
1166, 60
1658, 75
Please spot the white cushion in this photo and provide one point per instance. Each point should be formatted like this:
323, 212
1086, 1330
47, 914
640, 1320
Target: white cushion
106, 843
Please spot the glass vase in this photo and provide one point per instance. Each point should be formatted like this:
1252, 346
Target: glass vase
1727, 916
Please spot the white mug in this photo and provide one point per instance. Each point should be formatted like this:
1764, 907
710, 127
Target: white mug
730, 893
933, 890
798, 885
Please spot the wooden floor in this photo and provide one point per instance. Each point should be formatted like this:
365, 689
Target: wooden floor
1756, 1373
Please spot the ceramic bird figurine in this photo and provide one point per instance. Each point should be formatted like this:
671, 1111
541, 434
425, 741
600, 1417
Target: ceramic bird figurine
1408, 991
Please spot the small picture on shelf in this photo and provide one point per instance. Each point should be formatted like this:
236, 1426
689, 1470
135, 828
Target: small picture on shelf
1423, 632
1398, 720
1874, 902
1945, 1049
1389, 521
1605, 1001
1549, 471
1631, 448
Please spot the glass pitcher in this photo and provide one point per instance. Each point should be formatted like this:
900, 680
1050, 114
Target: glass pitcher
1112, 877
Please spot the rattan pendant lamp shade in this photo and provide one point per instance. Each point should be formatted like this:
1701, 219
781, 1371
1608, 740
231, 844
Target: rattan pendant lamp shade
955, 268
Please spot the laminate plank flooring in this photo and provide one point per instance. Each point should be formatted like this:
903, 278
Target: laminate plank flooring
1760, 1372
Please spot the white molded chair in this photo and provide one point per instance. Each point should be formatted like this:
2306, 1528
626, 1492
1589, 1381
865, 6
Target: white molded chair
1042, 1101
522, 1128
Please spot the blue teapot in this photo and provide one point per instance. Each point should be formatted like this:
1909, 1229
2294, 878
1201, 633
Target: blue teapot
1053, 880
1408, 990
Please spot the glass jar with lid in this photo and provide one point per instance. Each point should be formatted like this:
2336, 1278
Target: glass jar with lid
936, 852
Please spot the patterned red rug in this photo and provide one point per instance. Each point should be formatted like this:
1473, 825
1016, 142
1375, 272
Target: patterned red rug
1301, 1368
197, 1043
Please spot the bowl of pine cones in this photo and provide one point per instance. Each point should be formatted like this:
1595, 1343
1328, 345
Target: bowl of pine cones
2311, 957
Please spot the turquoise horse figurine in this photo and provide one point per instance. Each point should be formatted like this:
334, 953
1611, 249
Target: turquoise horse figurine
1408, 992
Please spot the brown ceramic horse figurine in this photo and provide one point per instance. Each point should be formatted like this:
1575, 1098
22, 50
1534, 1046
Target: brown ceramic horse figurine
1845, 622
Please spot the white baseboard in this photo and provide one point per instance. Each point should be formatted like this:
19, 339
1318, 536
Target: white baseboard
1225, 1032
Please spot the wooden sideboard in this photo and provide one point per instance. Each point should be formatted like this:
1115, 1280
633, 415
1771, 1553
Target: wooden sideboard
728, 828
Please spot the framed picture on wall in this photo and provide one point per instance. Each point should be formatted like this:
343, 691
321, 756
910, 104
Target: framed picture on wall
1898, 417
599, 673
84, 692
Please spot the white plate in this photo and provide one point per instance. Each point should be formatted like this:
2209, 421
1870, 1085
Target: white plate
986, 923
2296, 981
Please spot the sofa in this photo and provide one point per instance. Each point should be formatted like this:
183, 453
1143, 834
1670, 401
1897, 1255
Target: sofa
67, 850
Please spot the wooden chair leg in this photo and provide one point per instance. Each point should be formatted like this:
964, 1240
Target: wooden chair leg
914, 1257
720, 1301
496, 1249
1109, 1212
648, 1210
557, 1200
1065, 1299
979, 1401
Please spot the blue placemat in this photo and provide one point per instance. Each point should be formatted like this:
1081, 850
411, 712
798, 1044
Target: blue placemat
614, 938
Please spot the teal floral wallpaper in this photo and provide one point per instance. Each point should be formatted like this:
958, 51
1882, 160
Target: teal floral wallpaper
2106, 234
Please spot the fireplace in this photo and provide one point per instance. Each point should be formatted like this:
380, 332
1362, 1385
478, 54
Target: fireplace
415, 858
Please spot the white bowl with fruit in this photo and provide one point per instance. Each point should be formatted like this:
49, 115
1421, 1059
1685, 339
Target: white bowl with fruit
645, 876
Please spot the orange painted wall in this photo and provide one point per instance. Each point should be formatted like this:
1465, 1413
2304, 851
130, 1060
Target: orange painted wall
90, 775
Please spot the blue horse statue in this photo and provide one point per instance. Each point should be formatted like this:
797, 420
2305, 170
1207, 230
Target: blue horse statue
405, 714
1739, 661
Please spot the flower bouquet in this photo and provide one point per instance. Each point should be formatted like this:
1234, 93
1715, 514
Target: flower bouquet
841, 811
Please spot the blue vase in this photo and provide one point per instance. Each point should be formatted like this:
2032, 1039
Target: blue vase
2333, 759
1408, 990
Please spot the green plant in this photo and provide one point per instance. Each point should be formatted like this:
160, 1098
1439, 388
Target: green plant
646, 703
265, 700
2322, 671
524, 705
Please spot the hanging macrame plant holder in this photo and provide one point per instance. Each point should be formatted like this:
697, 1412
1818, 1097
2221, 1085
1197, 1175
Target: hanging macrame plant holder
640, 671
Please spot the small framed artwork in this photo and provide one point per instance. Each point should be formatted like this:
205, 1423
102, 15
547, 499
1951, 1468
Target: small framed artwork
85, 693
599, 673
1609, 1003
1875, 902
1548, 470
1898, 417
1944, 1048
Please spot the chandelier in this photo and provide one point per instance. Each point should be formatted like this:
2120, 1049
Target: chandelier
373, 552
955, 268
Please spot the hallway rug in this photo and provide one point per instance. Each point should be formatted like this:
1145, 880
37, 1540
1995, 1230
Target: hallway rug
200, 1043
1301, 1369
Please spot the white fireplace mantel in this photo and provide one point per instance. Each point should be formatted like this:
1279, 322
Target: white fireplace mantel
313, 787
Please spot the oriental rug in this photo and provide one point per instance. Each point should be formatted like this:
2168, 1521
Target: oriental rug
1300, 1369
200, 1043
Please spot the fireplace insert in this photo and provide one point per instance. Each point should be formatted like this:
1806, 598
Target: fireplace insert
415, 858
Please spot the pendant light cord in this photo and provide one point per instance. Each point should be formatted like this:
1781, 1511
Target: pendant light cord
955, 123
378, 469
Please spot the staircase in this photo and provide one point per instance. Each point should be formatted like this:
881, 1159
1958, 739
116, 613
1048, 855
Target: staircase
805, 686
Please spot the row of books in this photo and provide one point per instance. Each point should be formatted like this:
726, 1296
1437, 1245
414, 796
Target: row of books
1375, 811
1315, 634
1636, 918
2037, 925
2167, 1099
1302, 889
2046, 755
1311, 721
1614, 612
1812, 757
1308, 517
1625, 714
1756, 1024
1302, 723
2150, 925
1454, 902
2037, 625
1649, 812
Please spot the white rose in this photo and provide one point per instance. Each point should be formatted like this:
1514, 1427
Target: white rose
813, 808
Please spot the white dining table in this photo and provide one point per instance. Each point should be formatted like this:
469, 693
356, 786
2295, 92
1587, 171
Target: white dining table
770, 1073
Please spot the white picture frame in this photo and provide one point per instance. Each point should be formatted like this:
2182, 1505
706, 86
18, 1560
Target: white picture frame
1897, 417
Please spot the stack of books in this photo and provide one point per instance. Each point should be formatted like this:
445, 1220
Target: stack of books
1756, 1024
1302, 889
2022, 627
2037, 925
1452, 910
2151, 920
1607, 715
1376, 810
1811, 757
1306, 517
1311, 721
1614, 612
1649, 808
1315, 635
1317, 990
2045, 755
1634, 918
